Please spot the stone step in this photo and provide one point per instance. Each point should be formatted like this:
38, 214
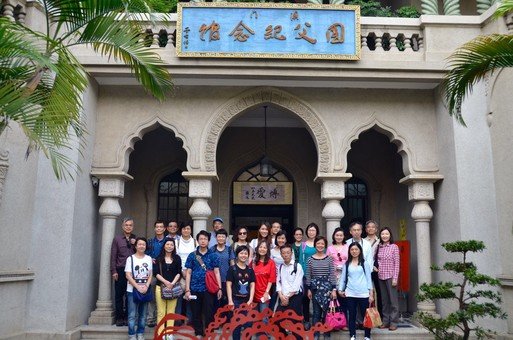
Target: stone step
406, 332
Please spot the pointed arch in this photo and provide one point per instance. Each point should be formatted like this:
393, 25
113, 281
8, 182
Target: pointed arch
256, 97
136, 134
403, 148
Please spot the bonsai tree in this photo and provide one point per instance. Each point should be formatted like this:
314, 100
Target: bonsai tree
470, 292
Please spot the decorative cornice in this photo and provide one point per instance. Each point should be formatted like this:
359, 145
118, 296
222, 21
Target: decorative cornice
332, 176
429, 178
506, 280
112, 174
211, 175
17, 275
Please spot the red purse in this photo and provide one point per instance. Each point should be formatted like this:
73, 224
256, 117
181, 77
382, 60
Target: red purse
335, 319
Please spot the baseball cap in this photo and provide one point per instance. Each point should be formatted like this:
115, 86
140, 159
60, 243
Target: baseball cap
217, 219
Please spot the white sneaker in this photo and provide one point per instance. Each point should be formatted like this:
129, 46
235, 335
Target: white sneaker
353, 338
366, 338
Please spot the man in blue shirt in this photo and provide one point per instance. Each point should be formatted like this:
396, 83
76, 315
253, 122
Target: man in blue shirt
225, 255
217, 224
153, 249
202, 302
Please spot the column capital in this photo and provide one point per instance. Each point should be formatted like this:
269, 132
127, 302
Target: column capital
200, 183
420, 187
332, 185
112, 184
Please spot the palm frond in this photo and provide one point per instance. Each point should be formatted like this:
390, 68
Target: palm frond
505, 7
470, 63
110, 37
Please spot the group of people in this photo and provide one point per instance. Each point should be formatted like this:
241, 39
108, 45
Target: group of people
267, 272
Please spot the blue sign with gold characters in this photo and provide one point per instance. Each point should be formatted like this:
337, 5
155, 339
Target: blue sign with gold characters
268, 30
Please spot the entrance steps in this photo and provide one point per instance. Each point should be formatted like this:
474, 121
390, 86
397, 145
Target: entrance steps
406, 332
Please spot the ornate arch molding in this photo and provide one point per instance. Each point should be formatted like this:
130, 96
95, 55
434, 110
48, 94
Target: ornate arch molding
297, 174
255, 97
403, 147
137, 132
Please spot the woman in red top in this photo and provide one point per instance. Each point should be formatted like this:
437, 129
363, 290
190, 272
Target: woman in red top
265, 273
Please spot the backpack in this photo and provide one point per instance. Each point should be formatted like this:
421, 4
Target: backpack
293, 272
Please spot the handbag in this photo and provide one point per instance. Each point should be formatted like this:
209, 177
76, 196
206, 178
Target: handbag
170, 293
137, 295
210, 277
334, 318
372, 318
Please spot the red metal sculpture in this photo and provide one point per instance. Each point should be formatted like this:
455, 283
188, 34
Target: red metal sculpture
285, 325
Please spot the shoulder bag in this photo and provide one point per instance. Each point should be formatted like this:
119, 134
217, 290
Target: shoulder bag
210, 276
169, 293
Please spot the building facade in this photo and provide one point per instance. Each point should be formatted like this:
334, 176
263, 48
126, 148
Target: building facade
367, 139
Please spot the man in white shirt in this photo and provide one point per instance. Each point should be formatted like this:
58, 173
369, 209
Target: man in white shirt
289, 282
355, 229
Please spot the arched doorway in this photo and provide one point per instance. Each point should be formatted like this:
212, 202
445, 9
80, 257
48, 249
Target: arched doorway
256, 198
158, 189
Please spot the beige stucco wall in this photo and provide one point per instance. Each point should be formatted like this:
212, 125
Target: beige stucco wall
407, 116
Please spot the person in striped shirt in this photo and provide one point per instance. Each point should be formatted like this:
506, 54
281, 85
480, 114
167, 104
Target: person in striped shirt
321, 282
388, 275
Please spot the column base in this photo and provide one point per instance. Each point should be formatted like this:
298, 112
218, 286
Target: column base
103, 315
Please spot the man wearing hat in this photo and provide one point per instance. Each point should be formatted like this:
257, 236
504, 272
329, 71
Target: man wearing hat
217, 223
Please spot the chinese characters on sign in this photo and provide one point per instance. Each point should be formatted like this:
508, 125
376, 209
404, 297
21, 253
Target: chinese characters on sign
267, 30
262, 192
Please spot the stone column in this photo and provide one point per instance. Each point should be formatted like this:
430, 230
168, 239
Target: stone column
200, 190
420, 192
111, 189
4, 166
332, 191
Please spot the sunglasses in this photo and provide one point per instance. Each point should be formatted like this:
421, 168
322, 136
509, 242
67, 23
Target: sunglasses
242, 233
339, 257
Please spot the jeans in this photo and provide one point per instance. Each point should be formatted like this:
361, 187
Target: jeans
319, 314
352, 304
152, 306
141, 310
261, 306
238, 330
120, 294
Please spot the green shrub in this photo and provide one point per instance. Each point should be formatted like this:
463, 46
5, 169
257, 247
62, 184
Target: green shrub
407, 12
474, 301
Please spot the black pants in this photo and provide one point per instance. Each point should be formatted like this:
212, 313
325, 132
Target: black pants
306, 303
295, 304
202, 308
375, 283
120, 294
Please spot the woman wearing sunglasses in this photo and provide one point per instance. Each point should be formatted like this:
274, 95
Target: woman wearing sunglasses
241, 239
338, 252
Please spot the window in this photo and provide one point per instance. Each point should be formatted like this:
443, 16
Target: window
173, 199
252, 174
355, 203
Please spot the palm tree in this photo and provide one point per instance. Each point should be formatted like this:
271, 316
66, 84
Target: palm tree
41, 81
472, 61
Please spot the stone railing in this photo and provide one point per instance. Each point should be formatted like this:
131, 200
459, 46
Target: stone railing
14, 10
